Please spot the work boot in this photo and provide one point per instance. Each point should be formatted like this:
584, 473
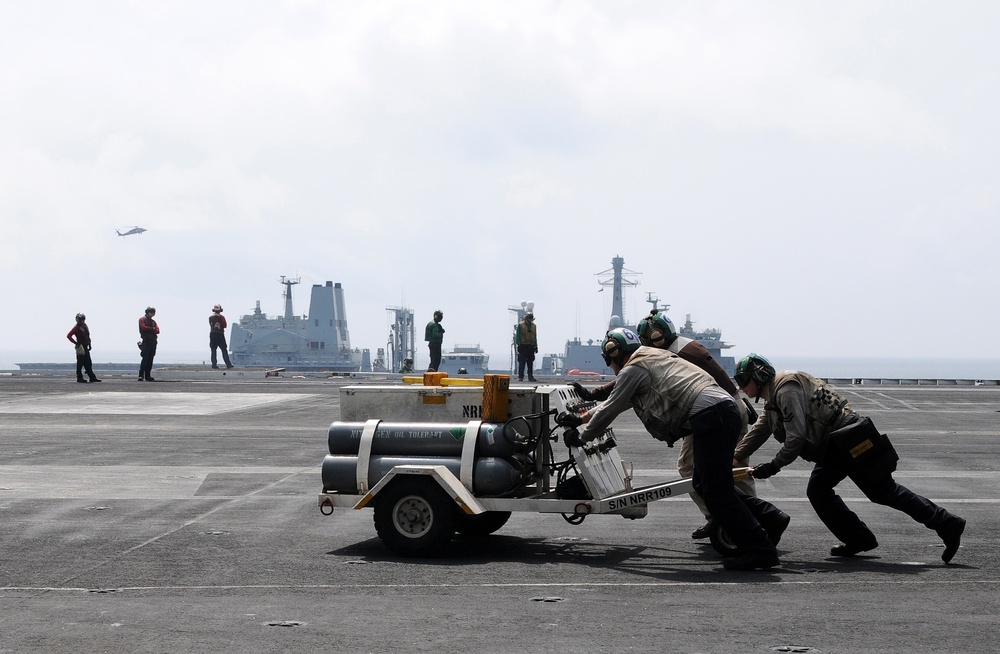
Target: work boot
952, 537
850, 549
94, 379
229, 365
777, 526
532, 379
150, 379
215, 367
81, 380
703, 531
752, 560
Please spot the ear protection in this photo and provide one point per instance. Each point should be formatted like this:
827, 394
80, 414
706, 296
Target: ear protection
656, 336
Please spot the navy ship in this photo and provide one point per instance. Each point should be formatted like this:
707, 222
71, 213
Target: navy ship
584, 357
318, 340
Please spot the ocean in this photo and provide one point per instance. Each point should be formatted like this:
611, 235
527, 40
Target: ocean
828, 367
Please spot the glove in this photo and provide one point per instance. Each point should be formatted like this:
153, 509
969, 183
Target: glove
569, 420
571, 437
581, 391
536, 349
765, 470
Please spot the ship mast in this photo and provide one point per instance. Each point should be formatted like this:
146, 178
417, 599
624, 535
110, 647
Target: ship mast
288, 283
401, 337
655, 301
617, 282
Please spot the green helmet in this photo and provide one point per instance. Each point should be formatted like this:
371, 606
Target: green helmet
753, 367
656, 330
619, 344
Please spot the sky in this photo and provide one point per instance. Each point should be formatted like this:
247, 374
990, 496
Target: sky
814, 179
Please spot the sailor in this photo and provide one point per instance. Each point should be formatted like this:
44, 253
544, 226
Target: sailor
148, 331
526, 340
434, 335
674, 398
407, 365
217, 336
657, 330
79, 336
815, 422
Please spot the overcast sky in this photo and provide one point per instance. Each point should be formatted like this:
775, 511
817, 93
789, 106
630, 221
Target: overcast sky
814, 179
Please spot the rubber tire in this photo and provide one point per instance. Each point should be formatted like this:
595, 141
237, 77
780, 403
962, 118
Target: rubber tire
480, 525
721, 541
415, 517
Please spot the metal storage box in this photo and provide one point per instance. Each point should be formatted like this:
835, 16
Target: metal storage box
429, 403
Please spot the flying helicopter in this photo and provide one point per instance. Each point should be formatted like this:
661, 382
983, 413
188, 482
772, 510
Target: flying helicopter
133, 230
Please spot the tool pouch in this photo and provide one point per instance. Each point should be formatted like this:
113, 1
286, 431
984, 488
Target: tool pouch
862, 449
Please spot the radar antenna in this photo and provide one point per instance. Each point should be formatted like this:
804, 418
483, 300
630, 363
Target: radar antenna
288, 283
617, 282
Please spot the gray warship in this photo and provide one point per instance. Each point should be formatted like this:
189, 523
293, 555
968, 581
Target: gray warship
584, 357
318, 340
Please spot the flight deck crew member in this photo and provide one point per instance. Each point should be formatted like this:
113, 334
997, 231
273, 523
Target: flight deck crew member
434, 335
217, 336
657, 330
148, 331
526, 340
672, 398
79, 336
814, 421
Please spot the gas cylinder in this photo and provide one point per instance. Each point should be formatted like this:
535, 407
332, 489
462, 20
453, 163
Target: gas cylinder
425, 439
490, 475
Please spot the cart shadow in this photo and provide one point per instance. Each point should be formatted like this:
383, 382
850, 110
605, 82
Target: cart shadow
653, 563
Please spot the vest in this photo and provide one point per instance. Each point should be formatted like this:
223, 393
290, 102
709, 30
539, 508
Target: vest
679, 344
826, 410
526, 333
674, 386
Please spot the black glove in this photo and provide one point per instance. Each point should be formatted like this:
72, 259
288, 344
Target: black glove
765, 470
581, 391
569, 420
571, 437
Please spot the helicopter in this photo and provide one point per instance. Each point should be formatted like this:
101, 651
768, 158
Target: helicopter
134, 230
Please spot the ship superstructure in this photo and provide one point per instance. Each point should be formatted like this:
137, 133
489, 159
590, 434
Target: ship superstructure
584, 357
318, 340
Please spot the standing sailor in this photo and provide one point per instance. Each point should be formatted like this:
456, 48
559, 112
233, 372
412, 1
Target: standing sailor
148, 331
217, 336
434, 335
79, 336
526, 340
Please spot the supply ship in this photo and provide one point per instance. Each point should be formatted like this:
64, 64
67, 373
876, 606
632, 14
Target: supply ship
584, 358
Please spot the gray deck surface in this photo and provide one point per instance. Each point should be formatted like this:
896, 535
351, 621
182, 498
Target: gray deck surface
181, 516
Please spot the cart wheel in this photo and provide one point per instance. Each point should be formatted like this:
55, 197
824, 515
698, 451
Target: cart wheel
414, 517
721, 541
483, 524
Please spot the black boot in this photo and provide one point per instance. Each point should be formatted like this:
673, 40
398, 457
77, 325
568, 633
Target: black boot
952, 537
81, 380
777, 526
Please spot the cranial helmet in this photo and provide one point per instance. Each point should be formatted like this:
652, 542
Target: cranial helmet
753, 367
80, 317
529, 316
656, 330
150, 311
217, 308
438, 315
618, 345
